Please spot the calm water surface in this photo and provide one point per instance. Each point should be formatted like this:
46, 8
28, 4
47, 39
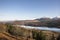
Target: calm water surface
40, 28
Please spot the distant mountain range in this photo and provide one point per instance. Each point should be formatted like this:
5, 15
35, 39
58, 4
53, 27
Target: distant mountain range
34, 20
37, 22
47, 19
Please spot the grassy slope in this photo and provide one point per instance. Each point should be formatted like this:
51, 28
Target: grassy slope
8, 36
26, 32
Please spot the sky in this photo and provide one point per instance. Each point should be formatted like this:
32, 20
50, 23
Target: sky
28, 9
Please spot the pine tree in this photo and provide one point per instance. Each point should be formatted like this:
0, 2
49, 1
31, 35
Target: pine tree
53, 38
58, 38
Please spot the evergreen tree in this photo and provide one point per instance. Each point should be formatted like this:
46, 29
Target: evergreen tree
58, 38
53, 38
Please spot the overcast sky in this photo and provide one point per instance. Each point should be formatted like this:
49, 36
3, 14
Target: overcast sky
28, 9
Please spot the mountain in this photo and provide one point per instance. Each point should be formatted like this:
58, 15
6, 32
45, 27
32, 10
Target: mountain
56, 18
43, 19
48, 19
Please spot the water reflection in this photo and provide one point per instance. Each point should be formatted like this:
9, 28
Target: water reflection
40, 28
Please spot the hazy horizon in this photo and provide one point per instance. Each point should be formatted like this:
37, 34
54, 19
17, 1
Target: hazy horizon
28, 9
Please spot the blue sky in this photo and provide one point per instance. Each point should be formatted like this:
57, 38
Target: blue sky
28, 9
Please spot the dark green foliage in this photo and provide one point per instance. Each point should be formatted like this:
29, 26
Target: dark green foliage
34, 34
38, 36
42, 36
51, 24
11, 29
14, 30
52, 38
58, 38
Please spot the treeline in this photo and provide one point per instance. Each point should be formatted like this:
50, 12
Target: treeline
47, 22
41, 36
